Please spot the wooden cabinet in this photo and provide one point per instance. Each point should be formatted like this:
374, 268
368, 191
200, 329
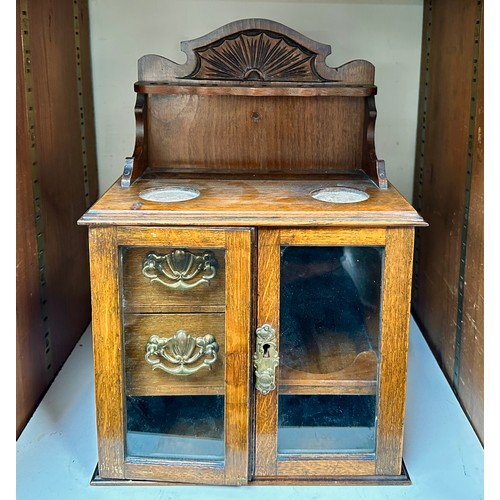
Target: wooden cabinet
202, 393
251, 324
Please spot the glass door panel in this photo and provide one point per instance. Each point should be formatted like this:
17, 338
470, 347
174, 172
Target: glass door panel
173, 319
326, 424
330, 300
175, 427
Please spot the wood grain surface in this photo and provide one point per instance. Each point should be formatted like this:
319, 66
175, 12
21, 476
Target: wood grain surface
255, 135
360, 377
283, 90
266, 405
176, 472
114, 349
108, 351
394, 349
142, 380
238, 375
242, 202
31, 375
280, 134
265, 50
322, 468
357, 378
61, 168
266, 88
448, 301
142, 295
55, 146
471, 373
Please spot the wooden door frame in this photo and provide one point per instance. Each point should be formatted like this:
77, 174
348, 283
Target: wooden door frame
395, 313
105, 243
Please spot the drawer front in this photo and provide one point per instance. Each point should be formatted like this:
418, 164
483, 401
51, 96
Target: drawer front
173, 279
174, 354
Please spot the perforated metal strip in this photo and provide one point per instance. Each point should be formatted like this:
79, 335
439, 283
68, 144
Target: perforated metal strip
81, 102
421, 146
35, 176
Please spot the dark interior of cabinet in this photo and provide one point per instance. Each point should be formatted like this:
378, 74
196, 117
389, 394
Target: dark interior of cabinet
330, 314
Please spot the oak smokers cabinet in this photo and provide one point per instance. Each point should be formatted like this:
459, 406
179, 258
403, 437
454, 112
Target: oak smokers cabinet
251, 273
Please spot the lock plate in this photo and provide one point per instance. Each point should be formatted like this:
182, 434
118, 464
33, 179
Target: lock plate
266, 359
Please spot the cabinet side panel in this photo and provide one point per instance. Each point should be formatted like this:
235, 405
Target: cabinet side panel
107, 342
394, 349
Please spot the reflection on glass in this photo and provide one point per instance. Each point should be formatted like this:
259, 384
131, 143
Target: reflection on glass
330, 301
176, 427
326, 424
330, 306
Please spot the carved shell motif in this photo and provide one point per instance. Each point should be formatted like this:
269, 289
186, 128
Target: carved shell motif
255, 56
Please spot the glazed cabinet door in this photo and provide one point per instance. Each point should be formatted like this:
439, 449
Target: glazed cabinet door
171, 331
331, 352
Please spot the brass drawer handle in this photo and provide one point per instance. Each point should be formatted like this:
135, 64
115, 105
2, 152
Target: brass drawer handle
177, 268
266, 359
181, 350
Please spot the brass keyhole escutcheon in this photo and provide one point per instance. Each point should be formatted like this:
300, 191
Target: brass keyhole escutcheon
266, 359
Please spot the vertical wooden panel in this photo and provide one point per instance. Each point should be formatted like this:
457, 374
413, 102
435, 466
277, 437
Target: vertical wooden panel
394, 349
471, 373
63, 179
447, 300
284, 138
57, 112
266, 406
107, 342
238, 300
31, 377
442, 191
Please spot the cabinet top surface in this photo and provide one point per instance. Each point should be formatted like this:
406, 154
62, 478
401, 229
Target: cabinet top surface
243, 201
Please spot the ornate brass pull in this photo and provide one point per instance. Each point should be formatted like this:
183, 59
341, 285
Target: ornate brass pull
181, 350
178, 268
266, 359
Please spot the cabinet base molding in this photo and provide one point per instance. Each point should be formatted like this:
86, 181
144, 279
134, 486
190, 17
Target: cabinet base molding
402, 480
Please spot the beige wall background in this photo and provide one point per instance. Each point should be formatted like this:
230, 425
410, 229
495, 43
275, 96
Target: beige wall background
386, 33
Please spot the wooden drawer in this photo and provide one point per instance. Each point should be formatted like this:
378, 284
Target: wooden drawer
148, 289
144, 379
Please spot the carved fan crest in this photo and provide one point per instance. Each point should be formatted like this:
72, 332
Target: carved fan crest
255, 56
